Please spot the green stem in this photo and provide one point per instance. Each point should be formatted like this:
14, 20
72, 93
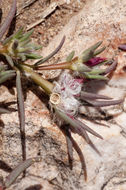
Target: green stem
64, 65
43, 83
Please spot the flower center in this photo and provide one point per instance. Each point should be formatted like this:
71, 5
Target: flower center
55, 98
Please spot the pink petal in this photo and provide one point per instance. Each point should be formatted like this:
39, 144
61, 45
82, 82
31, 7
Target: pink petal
95, 61
79, 80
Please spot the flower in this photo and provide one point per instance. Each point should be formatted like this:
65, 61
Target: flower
95, 61
66, 98
68, 88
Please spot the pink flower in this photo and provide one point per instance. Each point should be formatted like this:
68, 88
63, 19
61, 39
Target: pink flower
95, 61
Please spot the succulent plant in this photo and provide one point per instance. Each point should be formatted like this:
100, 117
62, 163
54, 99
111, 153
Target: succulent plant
19, 47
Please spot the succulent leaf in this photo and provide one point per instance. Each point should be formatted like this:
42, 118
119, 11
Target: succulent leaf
18, 170
9, 59
19, 46
91, 76
70, 56
99, 51
51, 54
21, 112
32, 56
89, 53
5, 75
25, 36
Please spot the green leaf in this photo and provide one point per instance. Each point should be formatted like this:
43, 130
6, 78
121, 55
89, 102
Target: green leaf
23, 50
9, 59
21, 56
4, 76
99, 77
70, 56
17, 35
24, 43
6, 72
33, 56
99, 51
86, 56
90, 52
33, 46
95, 71
26, 36
92, 48
80, 67
2, 67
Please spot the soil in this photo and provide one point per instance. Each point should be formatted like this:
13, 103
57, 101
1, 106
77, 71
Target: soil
28, 12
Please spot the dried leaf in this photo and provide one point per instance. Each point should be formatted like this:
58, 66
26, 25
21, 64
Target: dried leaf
8, 20
21, 112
